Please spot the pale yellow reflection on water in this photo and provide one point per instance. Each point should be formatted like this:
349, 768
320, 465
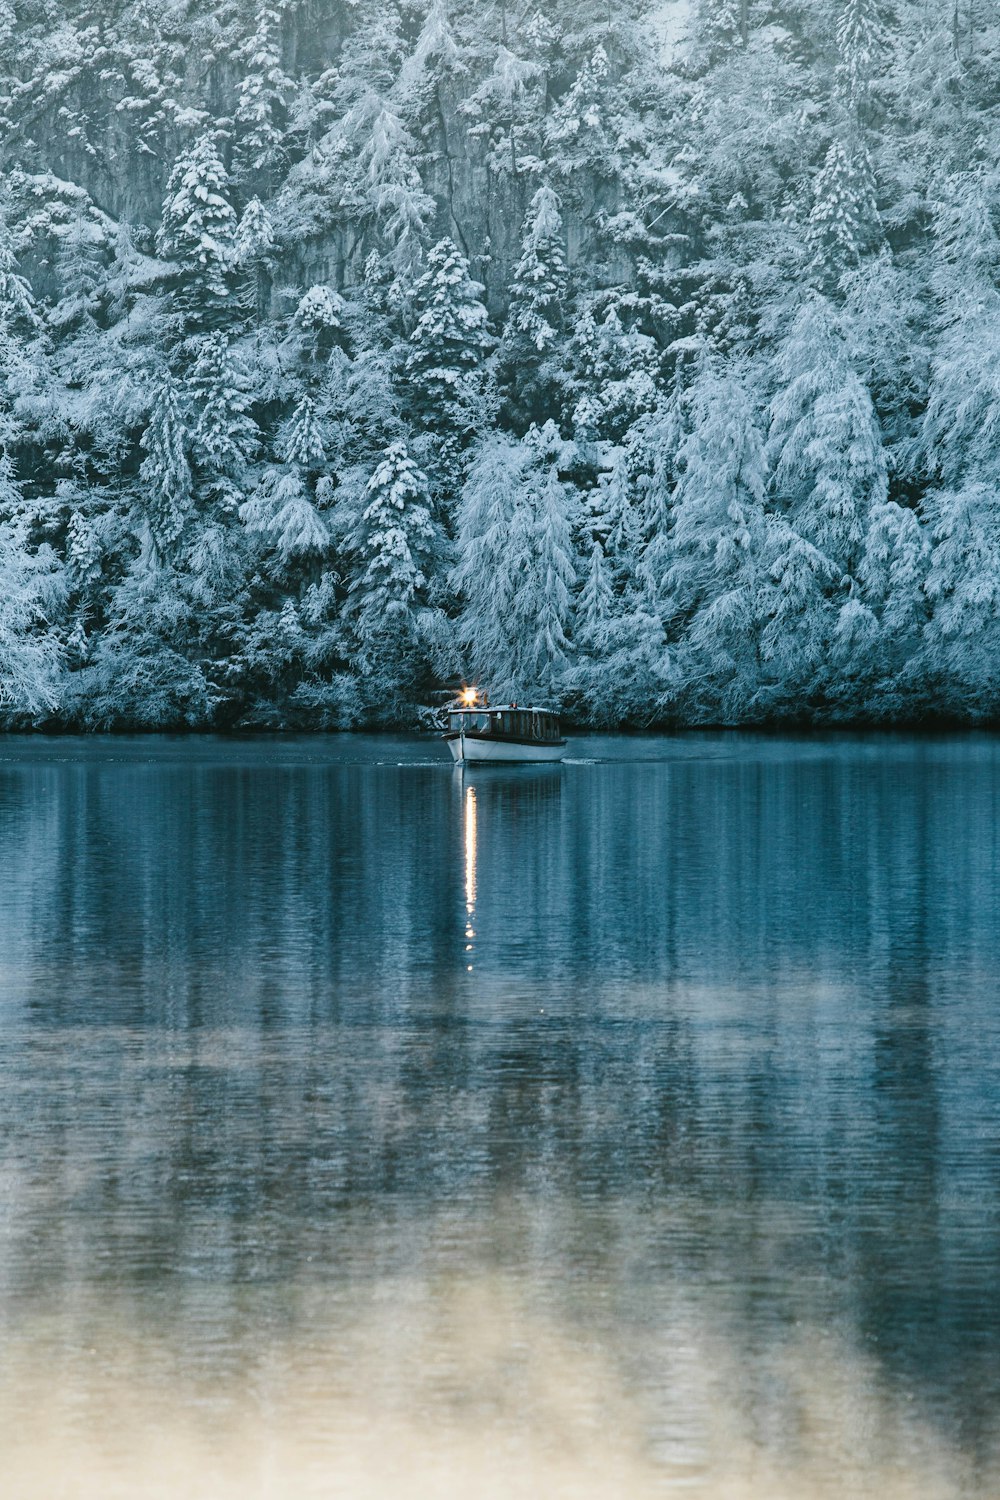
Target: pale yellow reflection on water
456, 1389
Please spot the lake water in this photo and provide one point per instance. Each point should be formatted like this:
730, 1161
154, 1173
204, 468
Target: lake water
370, 1128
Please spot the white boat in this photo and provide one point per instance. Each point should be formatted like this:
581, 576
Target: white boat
481, 732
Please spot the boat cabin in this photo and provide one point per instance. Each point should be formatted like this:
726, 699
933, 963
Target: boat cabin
506, 723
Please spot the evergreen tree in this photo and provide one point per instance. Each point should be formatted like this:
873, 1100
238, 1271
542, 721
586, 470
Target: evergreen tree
824, 446
262, 101
536, 316
19, 322
436, 55
595, 605
165, 475
661, 441
17, 304
539, 288
616, 370
580, 133
395, 194
198, 226
281, 513
448, 344
860, 40
546, 601
225, 436
302, 441
961, 426
843, 216
963, 585
30, 654
395, 546
893, 575
718, 580
722, 25
79, 269
492, 552
253, 253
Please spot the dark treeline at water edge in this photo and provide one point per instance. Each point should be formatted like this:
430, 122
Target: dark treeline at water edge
639, 357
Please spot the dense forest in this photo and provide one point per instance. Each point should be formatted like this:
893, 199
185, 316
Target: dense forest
640, 356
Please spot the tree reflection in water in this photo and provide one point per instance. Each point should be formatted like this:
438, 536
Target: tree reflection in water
694, 1174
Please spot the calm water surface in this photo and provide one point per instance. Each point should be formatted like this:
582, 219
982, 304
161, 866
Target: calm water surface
629, 1127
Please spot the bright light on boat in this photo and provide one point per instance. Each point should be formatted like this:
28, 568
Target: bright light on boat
469, 696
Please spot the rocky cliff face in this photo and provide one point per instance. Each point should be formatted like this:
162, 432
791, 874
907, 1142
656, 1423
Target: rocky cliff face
105, 105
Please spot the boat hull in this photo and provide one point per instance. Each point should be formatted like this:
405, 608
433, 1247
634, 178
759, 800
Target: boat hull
476, 751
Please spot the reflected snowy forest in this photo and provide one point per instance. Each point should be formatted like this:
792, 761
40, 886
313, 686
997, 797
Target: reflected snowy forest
639, 356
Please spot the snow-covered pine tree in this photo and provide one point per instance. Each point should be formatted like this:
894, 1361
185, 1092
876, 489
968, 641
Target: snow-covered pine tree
580, 133
661, 438
721, 25
282, 514
19, 324
17, 303
31, 656
225, 436
492, 553
860, 41
824, 445
961, 426
79, 268
319, 320
537, 313
83, 551
198, 229
435, 58
253, 254
616, 365
450, 337
397, 200
395, 546
262, 100
302, 440
595, 605
963, 585
540, 284
545, 605
893, 577
165, 499
620, 511
961, 443
718, 576
843, 220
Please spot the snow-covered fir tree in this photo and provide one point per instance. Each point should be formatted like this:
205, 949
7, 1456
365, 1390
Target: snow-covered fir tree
719, 575
198, 227
282, 513
860, 41
492, 552
225, 436
395, 547
537, 315
450, 337
165, 498
824, 446
31, 654
264, 94
541, 282
842, 220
